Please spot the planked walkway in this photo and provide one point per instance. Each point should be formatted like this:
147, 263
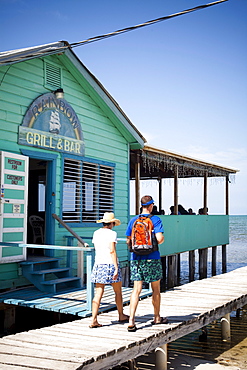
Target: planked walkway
74, 345
73, 302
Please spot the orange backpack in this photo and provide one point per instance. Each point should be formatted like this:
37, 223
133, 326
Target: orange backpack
143, 239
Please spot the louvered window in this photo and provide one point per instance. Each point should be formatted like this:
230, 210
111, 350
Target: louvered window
88, 190
53, 76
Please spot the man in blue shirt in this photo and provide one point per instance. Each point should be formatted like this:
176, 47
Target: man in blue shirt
146, 268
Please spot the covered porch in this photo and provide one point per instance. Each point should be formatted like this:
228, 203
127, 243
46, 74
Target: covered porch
184, 234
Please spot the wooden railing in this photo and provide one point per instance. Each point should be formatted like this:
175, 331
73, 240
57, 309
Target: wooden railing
81, 250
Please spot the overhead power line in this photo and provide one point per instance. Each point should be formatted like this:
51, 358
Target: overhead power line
148, 23
29, 53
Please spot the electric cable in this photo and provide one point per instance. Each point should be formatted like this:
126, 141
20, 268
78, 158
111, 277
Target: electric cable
34, 54
148, 23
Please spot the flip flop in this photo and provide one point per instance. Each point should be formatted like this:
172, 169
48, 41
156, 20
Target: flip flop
95, 326
132, 328
163, 320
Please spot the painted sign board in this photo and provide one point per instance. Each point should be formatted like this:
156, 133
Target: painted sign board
51, 123
13, 205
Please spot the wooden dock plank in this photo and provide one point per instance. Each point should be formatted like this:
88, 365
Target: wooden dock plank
71, 302
48, 354
49, 364
188, 307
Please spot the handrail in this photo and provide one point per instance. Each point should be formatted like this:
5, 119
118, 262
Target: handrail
44, 246
69, 229
89, 262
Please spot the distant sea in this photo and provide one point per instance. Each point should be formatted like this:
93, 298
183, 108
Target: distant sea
236, 250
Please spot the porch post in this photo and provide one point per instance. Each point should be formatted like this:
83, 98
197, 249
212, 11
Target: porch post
137, 182
203, 262
205, 193
160, 193
191, 265
172, 278
227, 195
214, 260
223, 251
176, 191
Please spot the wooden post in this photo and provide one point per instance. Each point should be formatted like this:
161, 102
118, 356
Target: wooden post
160, 193
172, 271
9, 320
205, 193
238, 312
227, 195
163, 262
90, 286
178, 267
224, 262
137, 182
176, 191
214, 258
161, 357
203, 261
191, 265
226, 328
80, 264
224, 268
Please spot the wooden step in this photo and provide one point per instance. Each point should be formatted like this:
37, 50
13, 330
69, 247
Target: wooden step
50, 271
59, 281
38, 261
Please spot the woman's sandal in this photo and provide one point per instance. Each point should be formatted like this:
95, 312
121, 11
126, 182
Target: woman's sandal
132, 328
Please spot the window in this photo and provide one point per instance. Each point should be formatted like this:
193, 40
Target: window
88, 190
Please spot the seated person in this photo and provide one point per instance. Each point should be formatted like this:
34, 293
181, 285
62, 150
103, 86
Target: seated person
190, 210
182, 210
172, 211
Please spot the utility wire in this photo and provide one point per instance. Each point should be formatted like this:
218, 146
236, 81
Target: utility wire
34, 54
123, 30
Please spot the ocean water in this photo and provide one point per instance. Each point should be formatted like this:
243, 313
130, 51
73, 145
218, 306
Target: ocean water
236, 250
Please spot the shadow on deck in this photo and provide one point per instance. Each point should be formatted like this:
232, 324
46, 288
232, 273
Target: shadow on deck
73, 302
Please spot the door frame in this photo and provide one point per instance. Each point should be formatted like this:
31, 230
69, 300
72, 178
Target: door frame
51, 160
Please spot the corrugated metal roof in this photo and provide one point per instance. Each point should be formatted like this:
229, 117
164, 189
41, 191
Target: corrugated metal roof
160, 163
20, 55
188, 159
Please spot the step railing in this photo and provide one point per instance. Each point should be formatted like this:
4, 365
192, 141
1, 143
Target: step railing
89, 251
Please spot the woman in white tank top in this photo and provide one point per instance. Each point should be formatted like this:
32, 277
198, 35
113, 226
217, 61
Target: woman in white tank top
106, 269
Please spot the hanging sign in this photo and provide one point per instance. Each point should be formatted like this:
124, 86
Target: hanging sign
51, 123
16, 208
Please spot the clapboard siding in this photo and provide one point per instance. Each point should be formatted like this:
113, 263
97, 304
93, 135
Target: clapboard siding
21, 84
8, 126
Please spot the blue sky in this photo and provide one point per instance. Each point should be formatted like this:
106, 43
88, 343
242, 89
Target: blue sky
182, 82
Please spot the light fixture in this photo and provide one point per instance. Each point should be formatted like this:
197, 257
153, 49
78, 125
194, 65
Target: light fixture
59, 93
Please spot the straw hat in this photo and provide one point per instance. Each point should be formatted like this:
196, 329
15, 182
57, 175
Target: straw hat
108, 218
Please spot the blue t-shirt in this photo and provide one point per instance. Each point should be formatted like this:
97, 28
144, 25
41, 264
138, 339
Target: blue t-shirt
158, 228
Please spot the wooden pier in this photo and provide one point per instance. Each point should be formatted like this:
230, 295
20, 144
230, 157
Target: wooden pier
72, 302
74, 345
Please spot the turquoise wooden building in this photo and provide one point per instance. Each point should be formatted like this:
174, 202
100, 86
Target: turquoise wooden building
67, 152
64, 150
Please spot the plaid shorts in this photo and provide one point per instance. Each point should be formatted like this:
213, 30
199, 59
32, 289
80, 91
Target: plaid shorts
146, 270
103, 274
